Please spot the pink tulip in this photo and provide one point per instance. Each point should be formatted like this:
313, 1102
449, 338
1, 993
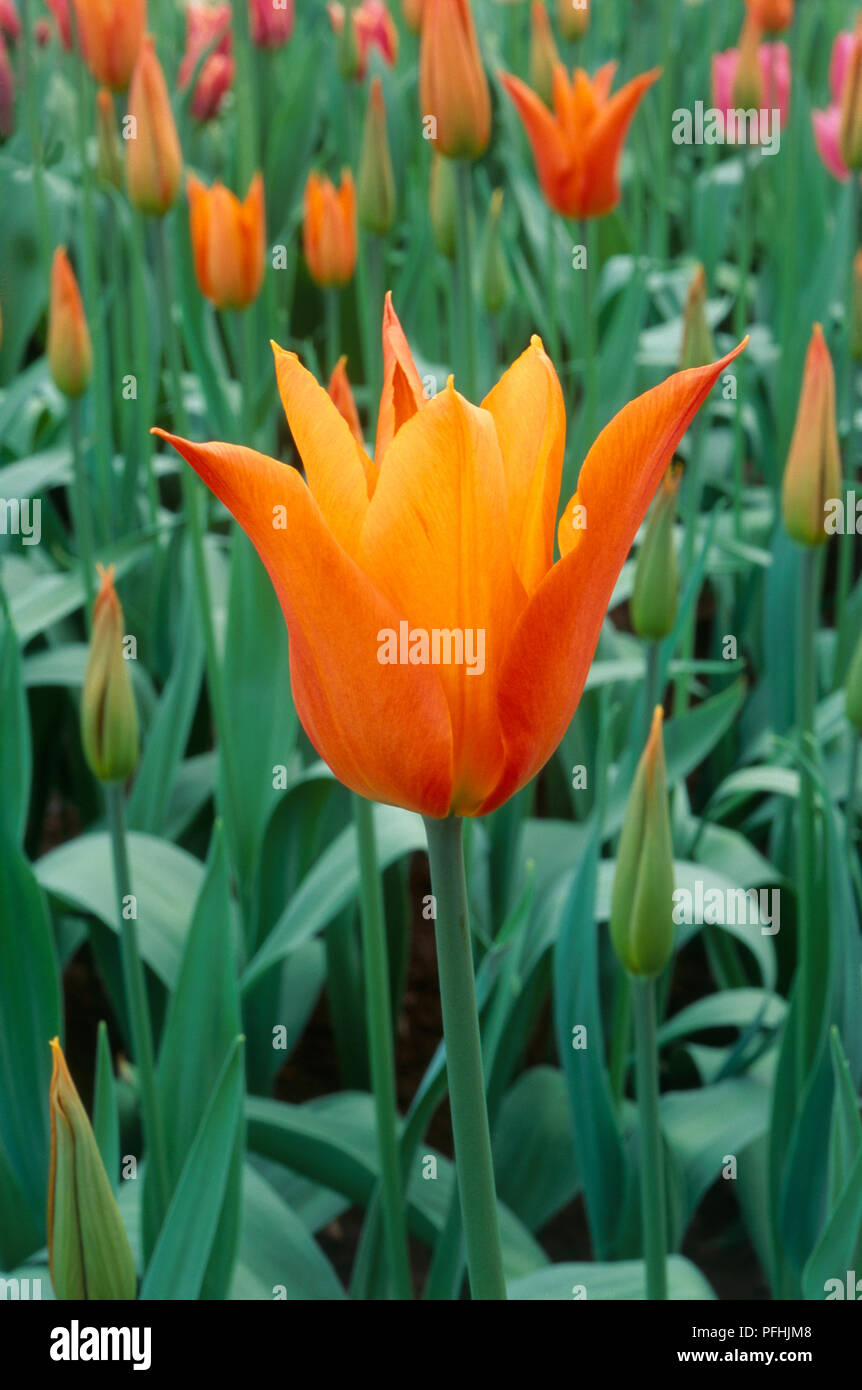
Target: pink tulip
7, 92
207, 25
60, 11
827, 124
9, 21
374, 28
271, 24
773, 61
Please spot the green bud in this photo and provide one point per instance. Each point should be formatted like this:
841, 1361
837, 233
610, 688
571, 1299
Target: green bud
698, 348
443, 200
109, 721
88, 1248
375, 187
642, 900
495, 279
656, 590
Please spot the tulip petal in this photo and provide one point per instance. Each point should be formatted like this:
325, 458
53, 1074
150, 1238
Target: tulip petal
555, 637
827, 138
339, 472
383, 729
528, 410
605, 142
552, 158
402, 393
433, 543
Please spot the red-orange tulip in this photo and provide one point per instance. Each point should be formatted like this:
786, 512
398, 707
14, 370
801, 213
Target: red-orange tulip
329, 229
70, 355
577, 147
453, 88
395, 575
154, 160
111, 33
228, 242
771, 15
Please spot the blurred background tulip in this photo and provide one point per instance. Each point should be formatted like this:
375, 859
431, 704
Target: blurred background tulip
154, 160
453, 89
208, 27
70, 354
111, 33
329, 229
228, 242
812, 474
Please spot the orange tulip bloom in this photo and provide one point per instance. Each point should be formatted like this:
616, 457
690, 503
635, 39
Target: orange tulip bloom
577, 146
342, 397
228, 242
70, 355
329, 229
771, 15
391, 572
154, 160
452, 83
111, 33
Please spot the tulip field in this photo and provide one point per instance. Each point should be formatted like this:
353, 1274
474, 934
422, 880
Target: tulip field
431, 653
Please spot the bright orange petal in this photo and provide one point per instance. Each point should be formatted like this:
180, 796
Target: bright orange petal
199, 230
339, 472
402, 393
437, 509
552, 157
605, 142
528, 410
603, 81
555, 638
384, 730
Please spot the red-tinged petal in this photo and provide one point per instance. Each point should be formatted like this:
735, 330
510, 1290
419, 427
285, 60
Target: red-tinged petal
605, 142
555, 638
384, 730
530, 416
603, 81
553, 159
339, 472
402, 393
433, 543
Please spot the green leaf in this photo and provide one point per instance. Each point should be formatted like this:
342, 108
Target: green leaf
182, 1253
534, 1156
624, 1281
278, 1257
106, 1119
15, 749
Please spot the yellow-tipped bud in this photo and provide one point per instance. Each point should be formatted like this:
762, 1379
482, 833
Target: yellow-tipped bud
375, 188
443, 202
154, 160
642, 900
853, 688
698, 348
70, 354
747, 81
543, 52
573, 17
656, 589
109, 721
813, 471
88, 1249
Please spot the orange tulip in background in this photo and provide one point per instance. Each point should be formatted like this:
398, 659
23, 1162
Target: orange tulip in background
70, 355
342, 397
329, 229
228, 242
813, 471
111, 33
154, 160
412, 12
453, 88
772, 16
449, 527
577, 146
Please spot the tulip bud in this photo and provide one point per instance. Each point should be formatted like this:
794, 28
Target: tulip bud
453, 89
412, 12
853, 688
443, 204
88, 1249
543, 53
346, 39
70, 355
271, 22
375, 187
329, 229
641, 922
154, 161
747, 81
850, 136
771, 15
813, 471
7, 92
110, 157
228, 242
656, 589
340, 392
495, 279
573, 17
698, 348
110, 33
10, 20
856, 309
109, 721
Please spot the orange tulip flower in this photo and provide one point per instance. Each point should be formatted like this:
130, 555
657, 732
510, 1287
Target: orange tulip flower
154, 160
342, 396
395, 575
771, 15
70, 355
577, 146
329, 229
110, 34
228, 242
453, 88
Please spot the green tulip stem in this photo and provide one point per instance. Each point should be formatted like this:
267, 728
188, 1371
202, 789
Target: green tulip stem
589, 330
378, 1013
651, 1157
136, 997
467, 1103
332, 325
464, 272
83, 519
850, 808
806, 699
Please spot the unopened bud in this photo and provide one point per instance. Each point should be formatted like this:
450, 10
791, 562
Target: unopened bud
109, 720
656, 588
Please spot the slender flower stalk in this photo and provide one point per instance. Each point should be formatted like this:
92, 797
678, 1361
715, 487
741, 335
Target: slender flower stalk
653, 1203
470, 1131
